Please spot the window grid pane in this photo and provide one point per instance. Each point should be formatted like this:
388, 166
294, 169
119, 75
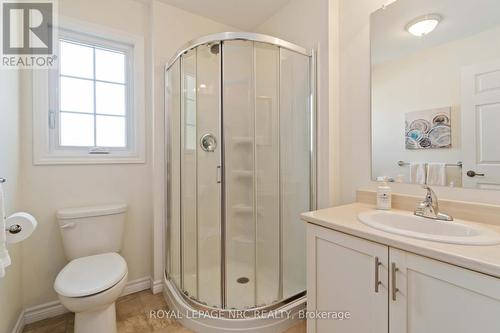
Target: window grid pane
110, 98
77, 129
77, 60
76, 95
110, 66
111, 132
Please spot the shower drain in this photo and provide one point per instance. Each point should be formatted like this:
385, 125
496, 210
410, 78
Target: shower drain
243, 280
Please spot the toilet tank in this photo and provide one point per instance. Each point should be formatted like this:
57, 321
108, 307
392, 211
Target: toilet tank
93, 230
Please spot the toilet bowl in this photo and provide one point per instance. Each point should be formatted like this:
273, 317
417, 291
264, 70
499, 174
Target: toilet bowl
89, 287
96, 274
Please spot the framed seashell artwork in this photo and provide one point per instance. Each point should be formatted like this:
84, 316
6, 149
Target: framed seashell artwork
428, 129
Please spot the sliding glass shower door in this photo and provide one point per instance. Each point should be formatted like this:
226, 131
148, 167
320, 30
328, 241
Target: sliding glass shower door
200, 175
238, 173
251, 159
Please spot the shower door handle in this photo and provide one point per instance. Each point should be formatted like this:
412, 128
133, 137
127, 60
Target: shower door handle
208, 143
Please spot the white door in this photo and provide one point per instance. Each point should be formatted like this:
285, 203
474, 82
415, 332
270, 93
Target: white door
429, 296
344, 275
481, 126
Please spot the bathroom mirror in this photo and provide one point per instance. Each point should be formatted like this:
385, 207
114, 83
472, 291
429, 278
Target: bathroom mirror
436, 93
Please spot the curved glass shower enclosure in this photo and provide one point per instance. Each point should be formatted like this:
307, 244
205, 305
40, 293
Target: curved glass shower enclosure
240, 155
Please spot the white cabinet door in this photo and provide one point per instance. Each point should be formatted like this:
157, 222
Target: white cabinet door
342, 273
435, 297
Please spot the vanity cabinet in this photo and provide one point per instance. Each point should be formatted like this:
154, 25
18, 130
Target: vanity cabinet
390, 290
428, 296
346, 273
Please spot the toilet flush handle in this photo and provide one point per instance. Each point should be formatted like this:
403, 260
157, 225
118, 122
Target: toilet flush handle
68, 225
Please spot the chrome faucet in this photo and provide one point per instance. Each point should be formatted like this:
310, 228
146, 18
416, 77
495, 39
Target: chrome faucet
429, 208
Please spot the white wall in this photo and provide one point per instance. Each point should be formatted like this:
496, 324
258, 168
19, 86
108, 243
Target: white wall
404, 85
306, 23
10, 285
355, 147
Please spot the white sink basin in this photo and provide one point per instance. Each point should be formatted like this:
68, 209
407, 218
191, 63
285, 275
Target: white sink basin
407, 224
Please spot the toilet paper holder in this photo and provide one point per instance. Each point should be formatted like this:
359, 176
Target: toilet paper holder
19, 226
14, 229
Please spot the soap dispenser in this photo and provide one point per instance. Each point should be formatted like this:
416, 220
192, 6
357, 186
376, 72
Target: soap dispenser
384, 197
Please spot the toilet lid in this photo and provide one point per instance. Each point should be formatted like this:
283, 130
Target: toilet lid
90, 275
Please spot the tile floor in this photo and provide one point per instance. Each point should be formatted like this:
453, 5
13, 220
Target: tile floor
132, 317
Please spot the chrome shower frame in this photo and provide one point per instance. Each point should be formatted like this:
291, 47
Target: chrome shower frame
253, 37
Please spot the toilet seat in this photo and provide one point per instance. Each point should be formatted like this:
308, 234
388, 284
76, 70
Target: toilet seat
90, 275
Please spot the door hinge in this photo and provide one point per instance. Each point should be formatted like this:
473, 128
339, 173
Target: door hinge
219, 174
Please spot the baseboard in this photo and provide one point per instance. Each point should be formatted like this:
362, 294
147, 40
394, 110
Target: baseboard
43, 311
55, 308
156, 286
137, 285
19, 326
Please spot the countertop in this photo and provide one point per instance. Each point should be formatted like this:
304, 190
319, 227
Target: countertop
483, 259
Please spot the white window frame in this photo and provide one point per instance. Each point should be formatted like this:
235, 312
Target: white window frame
46, 148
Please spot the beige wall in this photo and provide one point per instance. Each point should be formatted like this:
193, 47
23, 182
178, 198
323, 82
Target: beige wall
355, 127
10, 285
305, 23
47, 188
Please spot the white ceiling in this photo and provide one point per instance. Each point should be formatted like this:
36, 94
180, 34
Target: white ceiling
461, 18
241, 14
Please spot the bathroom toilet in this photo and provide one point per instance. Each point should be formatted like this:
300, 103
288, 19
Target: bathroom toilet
96, 275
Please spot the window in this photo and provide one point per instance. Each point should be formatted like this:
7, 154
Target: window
93, 100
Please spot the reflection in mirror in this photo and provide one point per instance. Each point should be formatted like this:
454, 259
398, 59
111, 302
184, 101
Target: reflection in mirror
436, 93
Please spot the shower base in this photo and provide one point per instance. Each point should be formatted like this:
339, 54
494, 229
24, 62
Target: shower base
197, 318
242, 288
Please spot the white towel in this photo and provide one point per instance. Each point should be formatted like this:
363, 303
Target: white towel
417, 173
436, 174
4, 255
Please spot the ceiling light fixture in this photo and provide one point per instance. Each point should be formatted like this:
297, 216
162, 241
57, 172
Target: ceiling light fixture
423, 25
